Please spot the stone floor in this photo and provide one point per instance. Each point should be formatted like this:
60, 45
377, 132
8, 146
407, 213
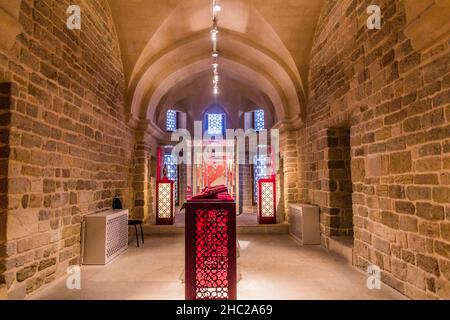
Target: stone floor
273, 267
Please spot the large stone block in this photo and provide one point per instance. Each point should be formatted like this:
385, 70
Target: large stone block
441, 195
430, 212
26, 272
21, 223
445, 231
400, 162
381, 245
358, 169
417, 243
442, 248
443, 289
445, 268
407, 223
390, 219
418, 193
405, 207
377, 165
428, 264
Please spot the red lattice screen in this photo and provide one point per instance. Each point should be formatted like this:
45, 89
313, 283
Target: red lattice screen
210, 250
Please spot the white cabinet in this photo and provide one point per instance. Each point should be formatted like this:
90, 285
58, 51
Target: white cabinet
304, 223
105, 236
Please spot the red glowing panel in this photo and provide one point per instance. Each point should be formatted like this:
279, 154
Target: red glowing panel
211, 264
211, 248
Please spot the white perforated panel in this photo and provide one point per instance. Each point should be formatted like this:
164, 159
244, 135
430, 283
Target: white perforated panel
116, 235
105, 236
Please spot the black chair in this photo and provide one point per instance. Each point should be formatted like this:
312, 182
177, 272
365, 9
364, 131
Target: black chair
117, 205
136, 223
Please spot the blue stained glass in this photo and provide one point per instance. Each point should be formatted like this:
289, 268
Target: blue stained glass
215, 123
259, 120
172, 171
171, 124
262, 170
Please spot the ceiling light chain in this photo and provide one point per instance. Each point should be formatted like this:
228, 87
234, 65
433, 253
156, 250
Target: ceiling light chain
215, 53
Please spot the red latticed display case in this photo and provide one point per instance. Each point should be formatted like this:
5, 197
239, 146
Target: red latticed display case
164, 202
267, 201
211, 271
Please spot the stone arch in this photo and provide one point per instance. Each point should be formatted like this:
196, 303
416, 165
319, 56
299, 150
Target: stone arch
9, 20
427, 21
179, 55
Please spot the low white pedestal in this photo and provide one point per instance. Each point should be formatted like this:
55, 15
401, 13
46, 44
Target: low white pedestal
304, 223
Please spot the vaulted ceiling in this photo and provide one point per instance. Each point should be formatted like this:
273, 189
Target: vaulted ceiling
264, 48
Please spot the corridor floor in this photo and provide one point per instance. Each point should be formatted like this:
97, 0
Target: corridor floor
273, 267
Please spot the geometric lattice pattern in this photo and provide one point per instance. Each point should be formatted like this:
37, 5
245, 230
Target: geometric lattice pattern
215, 123
164, 200
211, 281
259, 120
267, 199
171, 163
171, 124
116, 235
261, 170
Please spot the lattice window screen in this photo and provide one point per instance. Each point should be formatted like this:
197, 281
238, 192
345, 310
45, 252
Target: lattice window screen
261, 170
164, 203
171, 124
259, 120
172, 171
267, 199
212, 254
215, 123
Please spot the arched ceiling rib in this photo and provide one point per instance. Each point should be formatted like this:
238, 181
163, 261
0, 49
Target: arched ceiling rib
237, 96
261, 43
171, 66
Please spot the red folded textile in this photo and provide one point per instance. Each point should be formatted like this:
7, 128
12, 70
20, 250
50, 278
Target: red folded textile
213, 193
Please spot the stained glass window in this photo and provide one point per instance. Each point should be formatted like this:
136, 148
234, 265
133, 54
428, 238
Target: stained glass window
259, 120
215, 123
172, 171
171, 124
262, 170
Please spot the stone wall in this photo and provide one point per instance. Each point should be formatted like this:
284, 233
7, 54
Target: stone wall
142, 179
395, 101
327, 179
70, 149
5, 116
287, 179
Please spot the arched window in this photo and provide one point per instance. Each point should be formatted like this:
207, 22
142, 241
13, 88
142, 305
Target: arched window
171, 121
215, 123
258, 120
262, 168
171, 163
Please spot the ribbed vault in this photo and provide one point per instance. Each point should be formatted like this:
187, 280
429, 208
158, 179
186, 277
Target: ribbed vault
260, 66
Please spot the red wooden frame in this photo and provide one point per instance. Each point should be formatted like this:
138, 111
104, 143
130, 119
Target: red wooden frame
210, 242
159, 220
263, 219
